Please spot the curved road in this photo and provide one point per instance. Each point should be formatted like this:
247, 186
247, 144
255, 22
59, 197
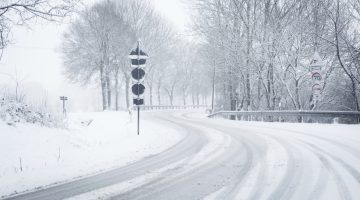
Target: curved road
219, 159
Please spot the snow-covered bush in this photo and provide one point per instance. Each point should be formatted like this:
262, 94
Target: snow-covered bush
13, 112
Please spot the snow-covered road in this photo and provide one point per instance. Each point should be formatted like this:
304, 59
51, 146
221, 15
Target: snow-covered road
221, 159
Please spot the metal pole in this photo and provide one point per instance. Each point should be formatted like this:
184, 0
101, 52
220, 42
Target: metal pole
64, 106
138, 124
138, 107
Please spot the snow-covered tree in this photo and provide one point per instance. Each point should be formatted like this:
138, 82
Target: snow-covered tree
20, 12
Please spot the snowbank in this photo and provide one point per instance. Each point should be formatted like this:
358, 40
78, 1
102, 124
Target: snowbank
13, 112
33, 156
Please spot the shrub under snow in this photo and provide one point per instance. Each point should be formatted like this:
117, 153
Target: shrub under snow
13, 112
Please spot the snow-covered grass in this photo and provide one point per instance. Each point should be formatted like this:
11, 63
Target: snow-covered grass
34, 156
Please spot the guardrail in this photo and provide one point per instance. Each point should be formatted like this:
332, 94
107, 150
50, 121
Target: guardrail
165, 107
291, 115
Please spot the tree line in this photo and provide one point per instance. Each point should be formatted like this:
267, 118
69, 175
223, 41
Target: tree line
261, 51
97, 44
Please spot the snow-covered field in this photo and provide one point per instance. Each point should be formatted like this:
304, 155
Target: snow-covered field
33, 156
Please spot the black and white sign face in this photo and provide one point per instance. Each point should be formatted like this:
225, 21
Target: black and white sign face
138, 89
137, 63
135, 54
138, 73
63, 98
138, 102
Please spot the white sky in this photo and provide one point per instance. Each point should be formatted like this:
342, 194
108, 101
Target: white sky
35, 54
174, 11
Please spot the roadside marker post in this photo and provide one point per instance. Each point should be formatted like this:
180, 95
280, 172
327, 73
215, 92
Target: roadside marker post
63, 99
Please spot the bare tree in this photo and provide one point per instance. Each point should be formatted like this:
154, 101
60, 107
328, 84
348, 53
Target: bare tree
264, 48
17, 78
97, 45
156, 36
90, 46
350, 66
20, 12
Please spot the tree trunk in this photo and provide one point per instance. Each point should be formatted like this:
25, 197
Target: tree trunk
184, 97
356, 102
159, 97
197, 99
272, 87
248, 46
117, 90
159, 92
193, 98
108, 88
248, 97
297, 95
151, 94
268, 93
259, 91
103, 89
171, 98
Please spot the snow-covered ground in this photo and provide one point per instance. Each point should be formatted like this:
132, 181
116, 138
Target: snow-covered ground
301, 160
249, 160
216, 159
33, 156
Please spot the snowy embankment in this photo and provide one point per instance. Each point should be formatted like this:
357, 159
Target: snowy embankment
32, 156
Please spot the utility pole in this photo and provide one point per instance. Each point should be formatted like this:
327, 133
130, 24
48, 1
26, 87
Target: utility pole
63, 99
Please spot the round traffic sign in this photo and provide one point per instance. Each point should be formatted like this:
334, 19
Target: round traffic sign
138, 89
138, 73
316, 88
316, 76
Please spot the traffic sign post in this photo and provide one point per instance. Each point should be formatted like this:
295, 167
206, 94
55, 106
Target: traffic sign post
316, 65
138, 61
63, 99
